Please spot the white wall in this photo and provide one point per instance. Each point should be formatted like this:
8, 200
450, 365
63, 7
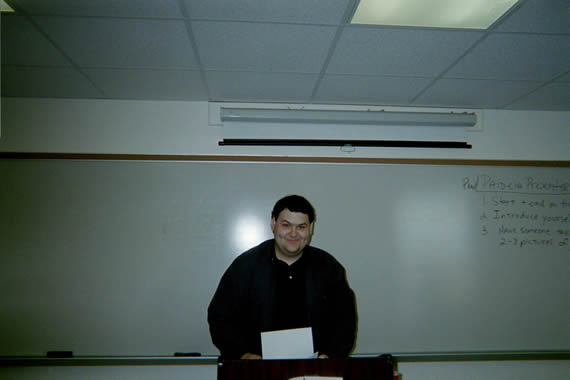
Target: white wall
141, 372
144, 127
502, 370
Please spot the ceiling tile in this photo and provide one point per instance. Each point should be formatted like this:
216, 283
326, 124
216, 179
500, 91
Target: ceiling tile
263, 47
102, 8
275, 50
46, 82
296, 11
369, 90
94, 42
564, 78
515, 57
23, 44
150, 84
474, 93
554, 97
539, 16
260, 87
385, 51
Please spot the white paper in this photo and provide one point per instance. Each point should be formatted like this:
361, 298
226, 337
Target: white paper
287, 344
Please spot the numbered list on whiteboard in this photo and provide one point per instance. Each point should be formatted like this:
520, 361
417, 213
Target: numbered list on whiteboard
523, 213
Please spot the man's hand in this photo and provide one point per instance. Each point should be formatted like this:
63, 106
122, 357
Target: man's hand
323, 356
247, 355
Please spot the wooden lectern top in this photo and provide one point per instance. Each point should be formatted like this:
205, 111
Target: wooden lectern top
376, 368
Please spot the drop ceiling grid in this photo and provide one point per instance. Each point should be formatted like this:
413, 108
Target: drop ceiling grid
293, 51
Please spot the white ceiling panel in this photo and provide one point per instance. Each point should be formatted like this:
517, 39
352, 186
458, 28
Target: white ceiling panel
263, 47
294, 51
150, 84
101, 8
553, 97
18, 32
564, 78
400, 52
474, 93
58, 82
516, 57
292, 11
96, 42
261, 87
539, 16
369, 89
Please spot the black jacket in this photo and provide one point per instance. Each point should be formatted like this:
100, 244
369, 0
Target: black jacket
244, 303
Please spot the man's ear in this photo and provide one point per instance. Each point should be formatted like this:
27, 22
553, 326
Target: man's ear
273, 221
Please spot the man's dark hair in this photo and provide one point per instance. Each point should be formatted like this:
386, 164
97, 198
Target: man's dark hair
294, 203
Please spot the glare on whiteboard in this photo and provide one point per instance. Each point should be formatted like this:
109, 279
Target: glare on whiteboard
248, 232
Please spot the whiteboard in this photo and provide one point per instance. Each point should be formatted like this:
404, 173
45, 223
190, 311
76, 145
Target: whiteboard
123, 257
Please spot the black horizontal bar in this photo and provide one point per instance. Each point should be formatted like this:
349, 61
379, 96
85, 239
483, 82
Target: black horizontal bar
343, 143
31, 361
19, 361
481, 356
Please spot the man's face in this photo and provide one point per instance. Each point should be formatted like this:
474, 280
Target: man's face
292, 232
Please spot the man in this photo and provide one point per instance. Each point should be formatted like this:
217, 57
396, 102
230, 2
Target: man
284, 283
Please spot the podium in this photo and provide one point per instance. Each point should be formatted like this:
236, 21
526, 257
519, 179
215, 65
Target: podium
374, 368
